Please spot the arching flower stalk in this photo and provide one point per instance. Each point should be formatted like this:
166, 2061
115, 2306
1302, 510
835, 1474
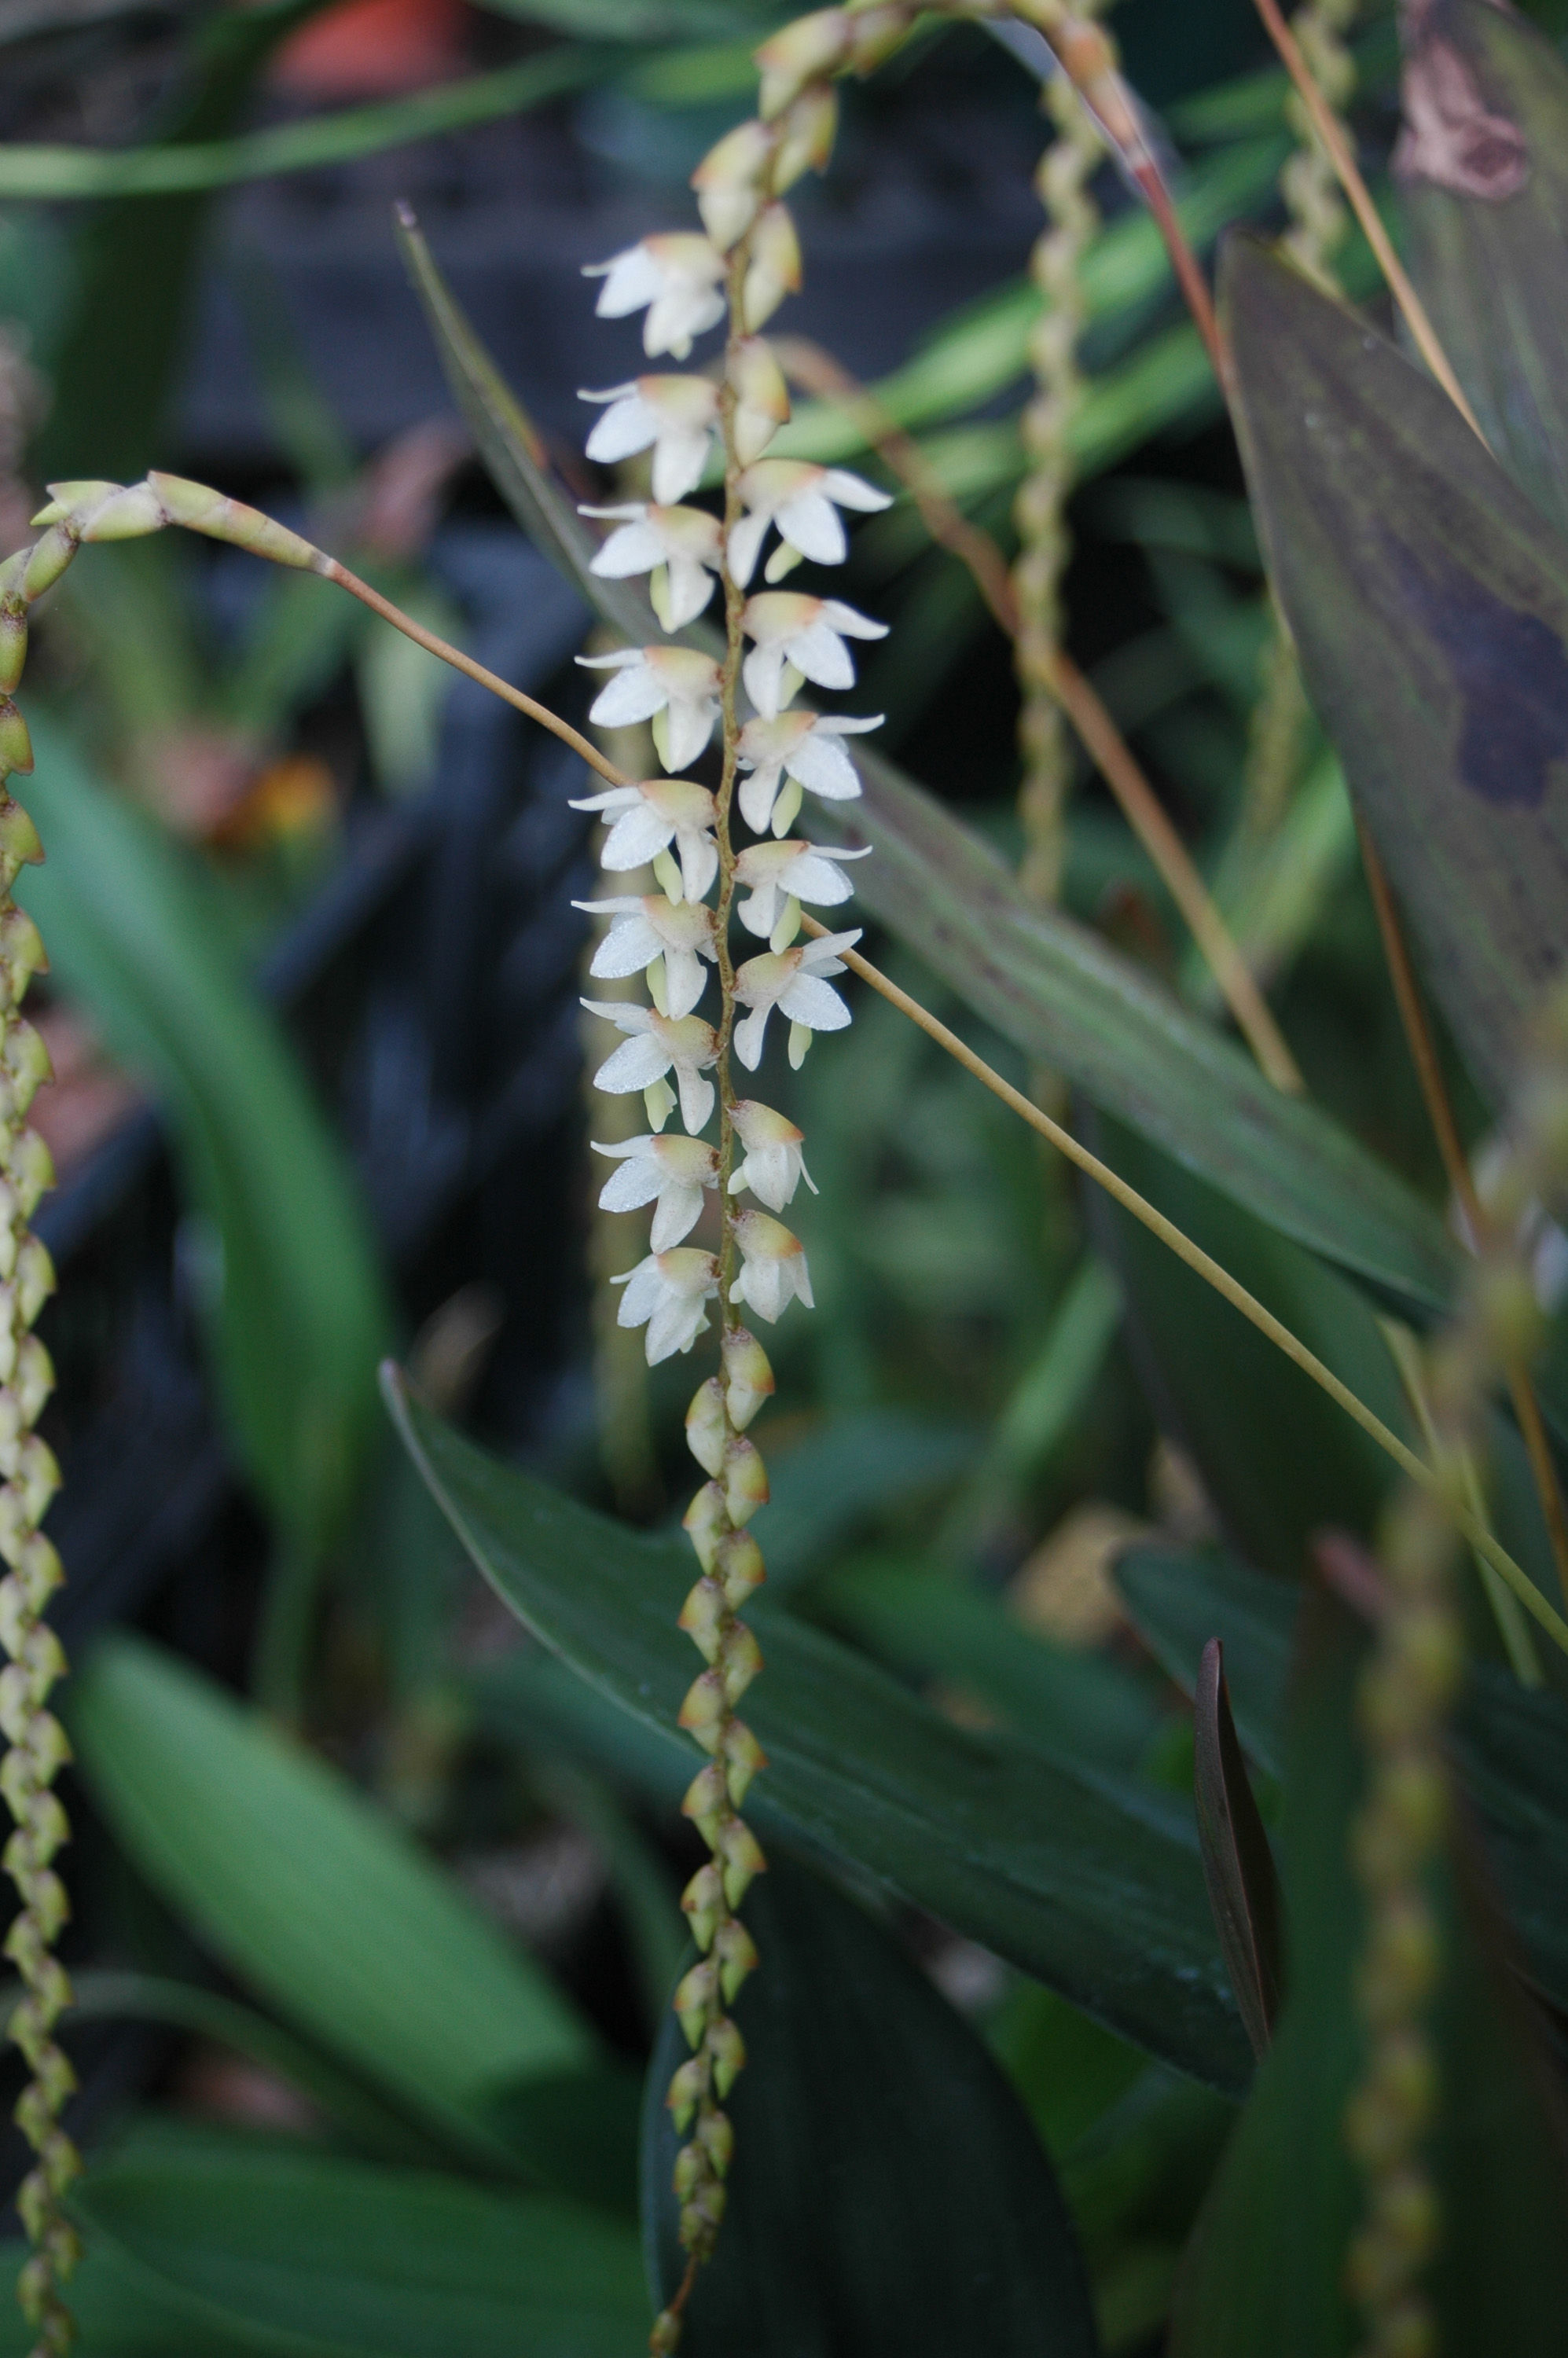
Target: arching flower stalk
1406, 1689
1318, 224
676, 1054
1040, 508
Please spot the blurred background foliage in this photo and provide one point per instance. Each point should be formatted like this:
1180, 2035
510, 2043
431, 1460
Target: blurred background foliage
312, 1014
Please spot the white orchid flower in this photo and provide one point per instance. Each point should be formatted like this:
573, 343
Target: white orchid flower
804, 501
781, 875
679, 547
774, 1164
649, 930
668, 1173
657, 1045
675, 417
773, 1266
805, 748
803, 635
793, 981
675, 278
646, 818
675, 688
666, 1293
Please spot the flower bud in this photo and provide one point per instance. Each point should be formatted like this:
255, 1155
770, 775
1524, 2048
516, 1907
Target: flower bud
31, 1168
21, 950
13, 640
761, 397
703, 1901
704, 1615
128, 514
35, 1282
688, 2089
729, 181
737, 1953
707, 1799
15, 745
745, 1481
664, 2338
692, 2170
877, 33
1401, 1964
704, 1522
726, 2049
705, 1427
748, 1378
701, 2217
717, 2138
738, 1567
46, 560
705, 1709
18, 837
812, 50
739, 1659
774, 267
33, 1380
67, 502
806, 134
741, 1857
742, 1756
694, 1997
199, 509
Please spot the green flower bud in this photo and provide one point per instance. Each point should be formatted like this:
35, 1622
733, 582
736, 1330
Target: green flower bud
704, 1522
707, 1799
741, 1856
748, 1378
666, 2335
706, 1710
742, 1756
704, 1615
21, 950
726, 2049
15, 745
692, 2171
129, 514
688, 2089
46, 560
703, 1901
739, 1659
704, 1428
738, 1567
811, 50
35, 1279
199, 509
694, 1999
13, 640
737, 1954
18, 837
67, 502
31, 1168
716, 2135
745, 1480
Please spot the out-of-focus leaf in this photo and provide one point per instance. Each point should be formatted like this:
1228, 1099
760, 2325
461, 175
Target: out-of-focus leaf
119, 2313
295, 1310
665, 21
1088, 1881
1238, 1867
1511, 1743
867, 1461
1055, 990
1082, 1706
888, 2195
282, 2249
1277, 1458
1266, 2268
1490, 259
313, 1897
1428, 601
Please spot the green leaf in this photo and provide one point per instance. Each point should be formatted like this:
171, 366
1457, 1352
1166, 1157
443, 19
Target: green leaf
313, 1897
1265, 2270
297, 1313
888, 2196
1511, 1743
1238, 1867
1277, 1458
283, 2249
1088, 1881
1491, 260
922, 1619
1054, 989
1429, 603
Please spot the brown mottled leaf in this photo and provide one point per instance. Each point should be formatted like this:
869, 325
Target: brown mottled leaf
1429, 601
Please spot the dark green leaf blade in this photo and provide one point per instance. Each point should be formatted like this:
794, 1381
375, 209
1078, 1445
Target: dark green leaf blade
1239, 1865
314, 1897
1056, 989
284, 2249
300, 1315
1486, 211
1429, 603
1088, 1881
889, 2196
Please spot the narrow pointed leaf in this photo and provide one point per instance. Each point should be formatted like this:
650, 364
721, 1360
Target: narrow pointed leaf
1239, 1865
889, 2195
1056, 989
1088, 1880
1428, 601
1485, 206
313, 1897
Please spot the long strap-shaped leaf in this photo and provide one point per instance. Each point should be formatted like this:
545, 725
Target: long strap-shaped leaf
1058, 993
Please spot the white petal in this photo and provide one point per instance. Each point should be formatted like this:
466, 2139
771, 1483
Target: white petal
762, 672
644, 1290
634, 840
684, 979
680, 456
633, 1065
627, 948
758, 790
821, 656
758, 914
691, 586
699, 861
839, 617
674, 1326
633, 1185
630, 279
623, 431
678, 1215
746, 546
812, 1001
821, 763
849, 490
695, 1099
632, 695
812, 878
811, 524
613, 798
676, 317
634, 548
748, 1036
689, 727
